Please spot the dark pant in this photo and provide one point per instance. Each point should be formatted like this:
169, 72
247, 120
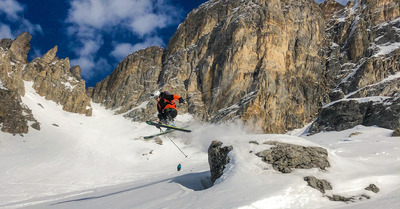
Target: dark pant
168, 115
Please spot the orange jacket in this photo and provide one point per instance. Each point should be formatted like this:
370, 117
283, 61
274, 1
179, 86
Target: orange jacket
168, 101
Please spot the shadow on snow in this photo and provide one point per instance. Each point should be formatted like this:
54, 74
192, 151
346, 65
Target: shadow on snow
194, 181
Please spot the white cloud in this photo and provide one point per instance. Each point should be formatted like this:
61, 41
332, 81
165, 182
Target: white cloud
36, 53
121, 50
139, 16
90, 67
88, 19
148, 23
86, 56
27, 26
86, 64
89, 46
11, 8
13, 12
5, 31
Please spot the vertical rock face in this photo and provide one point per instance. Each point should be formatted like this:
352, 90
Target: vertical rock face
254, 60
270, 63
131, 84
51, 78
363, 38
363, 66
14, 116
12, 62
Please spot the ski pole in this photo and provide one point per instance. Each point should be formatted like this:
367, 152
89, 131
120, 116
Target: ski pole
177, 146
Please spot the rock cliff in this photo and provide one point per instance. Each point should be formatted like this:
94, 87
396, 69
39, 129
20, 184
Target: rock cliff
14, 116
129, 86
363, 66
51, 78
254, 60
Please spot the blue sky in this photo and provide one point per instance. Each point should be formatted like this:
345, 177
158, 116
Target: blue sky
95, 34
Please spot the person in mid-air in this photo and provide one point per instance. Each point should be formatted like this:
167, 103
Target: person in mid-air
166, 106
179, 167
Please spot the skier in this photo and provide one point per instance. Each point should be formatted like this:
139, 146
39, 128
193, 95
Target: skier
179, 167
166, 106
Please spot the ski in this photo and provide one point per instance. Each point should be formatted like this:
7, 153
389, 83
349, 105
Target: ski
167, 126
159, 134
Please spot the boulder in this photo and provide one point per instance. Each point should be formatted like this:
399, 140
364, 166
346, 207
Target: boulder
373, 188
318, 184
218, 159
286, 157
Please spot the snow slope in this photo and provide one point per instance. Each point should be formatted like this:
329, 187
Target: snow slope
102, 162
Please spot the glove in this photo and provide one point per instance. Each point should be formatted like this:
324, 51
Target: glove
181, 100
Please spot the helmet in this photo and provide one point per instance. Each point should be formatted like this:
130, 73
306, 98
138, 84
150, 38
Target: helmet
156, 94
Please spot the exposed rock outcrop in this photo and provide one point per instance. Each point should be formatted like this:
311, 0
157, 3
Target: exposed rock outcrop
218, 159
323, 185
13, 59
14, 116
330, 7
286, 157
129, 86
373, 188
53, 80
396, 132
340, 198
346, 114
318, 184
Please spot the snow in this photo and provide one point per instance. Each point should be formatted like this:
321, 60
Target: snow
387, 49
142, 105
376, 99
68, 85
354, 9
2, 85
103, 162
